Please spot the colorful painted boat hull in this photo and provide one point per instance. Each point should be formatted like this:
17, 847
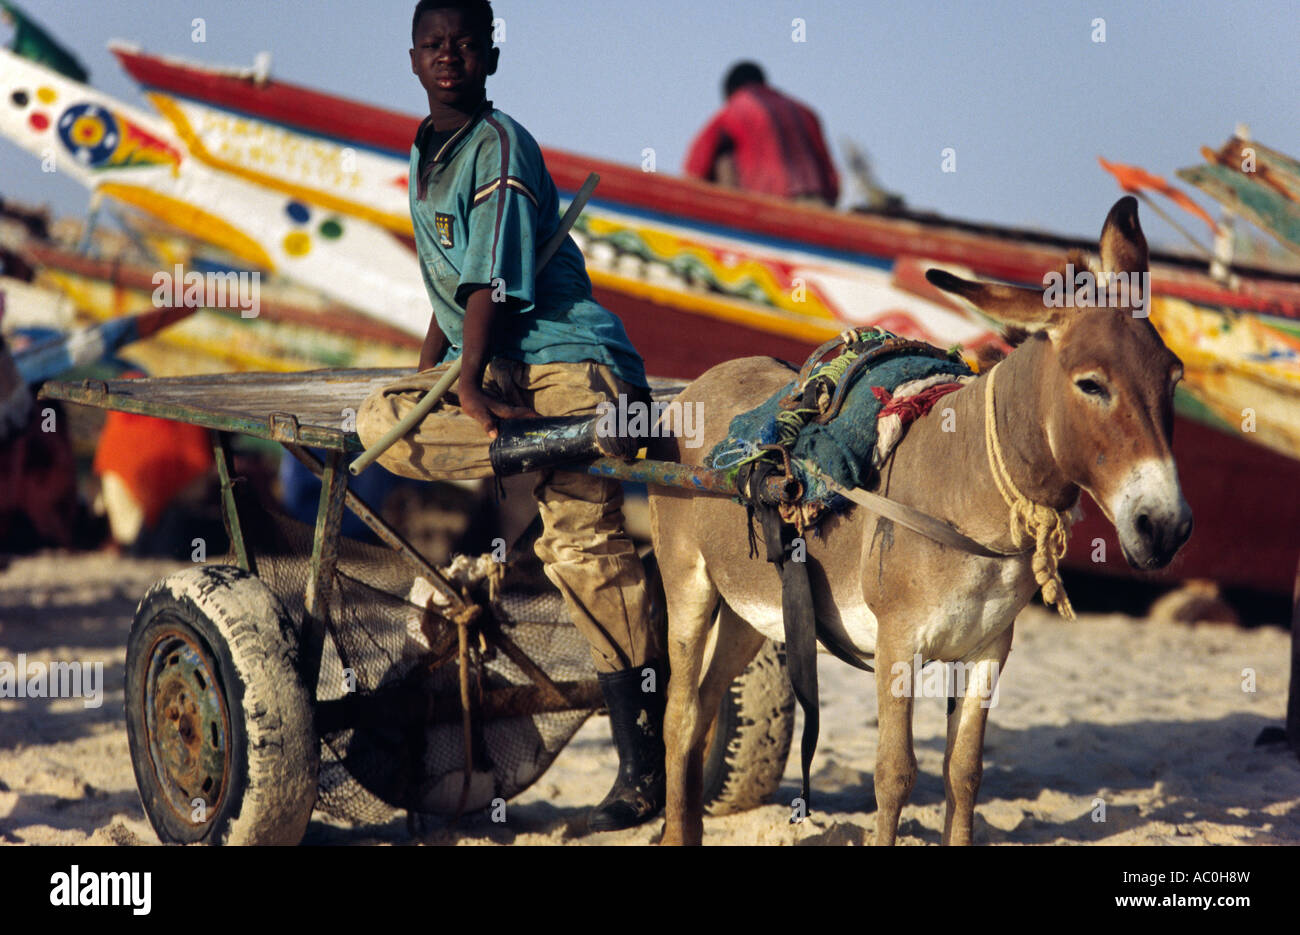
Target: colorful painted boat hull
700, 274
282, 338
140, 160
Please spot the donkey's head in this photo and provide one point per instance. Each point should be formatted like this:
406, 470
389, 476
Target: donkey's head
1105, 385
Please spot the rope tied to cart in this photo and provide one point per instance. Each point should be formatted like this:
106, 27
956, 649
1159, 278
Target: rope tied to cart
464, 618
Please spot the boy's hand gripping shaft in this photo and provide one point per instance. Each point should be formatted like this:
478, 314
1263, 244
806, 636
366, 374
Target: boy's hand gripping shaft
367, 457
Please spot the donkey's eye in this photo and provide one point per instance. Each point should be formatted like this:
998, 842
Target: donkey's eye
1091, 388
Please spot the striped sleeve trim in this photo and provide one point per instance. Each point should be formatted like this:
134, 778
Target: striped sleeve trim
503, 139
485, 192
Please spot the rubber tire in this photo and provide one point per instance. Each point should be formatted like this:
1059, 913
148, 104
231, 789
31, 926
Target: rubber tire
745, 762
273, 759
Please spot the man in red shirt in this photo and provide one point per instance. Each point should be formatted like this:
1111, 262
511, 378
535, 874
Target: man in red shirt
763, 141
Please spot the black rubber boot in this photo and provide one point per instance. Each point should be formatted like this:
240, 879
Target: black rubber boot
636, 719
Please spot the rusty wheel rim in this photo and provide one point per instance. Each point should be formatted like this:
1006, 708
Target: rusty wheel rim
188, 725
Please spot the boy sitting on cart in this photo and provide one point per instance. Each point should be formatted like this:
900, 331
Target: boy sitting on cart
531, 343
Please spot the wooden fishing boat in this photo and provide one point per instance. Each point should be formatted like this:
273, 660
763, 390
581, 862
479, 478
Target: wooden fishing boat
701, 274
283, 337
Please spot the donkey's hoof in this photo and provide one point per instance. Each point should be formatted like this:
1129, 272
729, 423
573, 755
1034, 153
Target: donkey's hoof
681, 836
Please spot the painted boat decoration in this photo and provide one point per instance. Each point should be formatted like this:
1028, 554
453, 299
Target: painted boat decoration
139, 160
353, 174
1243, 369
1256, 182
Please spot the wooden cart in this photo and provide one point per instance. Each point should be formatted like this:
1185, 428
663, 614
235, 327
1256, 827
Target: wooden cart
247, 704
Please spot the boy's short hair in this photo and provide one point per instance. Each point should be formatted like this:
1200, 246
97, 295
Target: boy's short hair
477, 12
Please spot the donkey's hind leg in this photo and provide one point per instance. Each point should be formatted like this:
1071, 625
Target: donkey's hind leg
737, 645
692, 604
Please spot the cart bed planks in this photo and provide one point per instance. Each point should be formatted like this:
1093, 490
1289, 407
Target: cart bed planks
309, 408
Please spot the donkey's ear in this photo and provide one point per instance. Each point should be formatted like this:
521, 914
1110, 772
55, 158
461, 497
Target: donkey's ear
1012, 305
1123, 246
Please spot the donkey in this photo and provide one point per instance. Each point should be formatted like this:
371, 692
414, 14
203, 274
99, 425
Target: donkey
1084, 402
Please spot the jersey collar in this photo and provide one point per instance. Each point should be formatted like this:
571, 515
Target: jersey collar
446, 148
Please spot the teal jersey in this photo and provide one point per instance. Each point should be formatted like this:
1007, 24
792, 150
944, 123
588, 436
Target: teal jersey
482, 205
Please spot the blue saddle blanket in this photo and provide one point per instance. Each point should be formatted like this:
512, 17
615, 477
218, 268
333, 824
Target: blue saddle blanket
843, 448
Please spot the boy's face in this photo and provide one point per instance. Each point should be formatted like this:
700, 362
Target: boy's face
451, 61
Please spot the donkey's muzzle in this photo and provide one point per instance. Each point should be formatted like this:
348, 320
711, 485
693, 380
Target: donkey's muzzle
1160, 537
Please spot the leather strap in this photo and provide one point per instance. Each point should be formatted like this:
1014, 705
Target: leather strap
799, 619
910, 517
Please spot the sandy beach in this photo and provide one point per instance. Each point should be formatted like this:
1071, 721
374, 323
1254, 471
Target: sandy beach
1148, 717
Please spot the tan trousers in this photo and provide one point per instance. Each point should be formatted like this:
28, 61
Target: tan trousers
586, 553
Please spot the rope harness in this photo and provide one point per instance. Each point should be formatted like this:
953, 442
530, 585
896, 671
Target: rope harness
1048, 530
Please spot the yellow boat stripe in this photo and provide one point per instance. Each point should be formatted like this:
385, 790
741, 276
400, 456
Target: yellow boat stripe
398, 223
194, 221
772, 322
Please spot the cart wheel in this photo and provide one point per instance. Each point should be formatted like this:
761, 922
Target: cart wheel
218, 720
751, 737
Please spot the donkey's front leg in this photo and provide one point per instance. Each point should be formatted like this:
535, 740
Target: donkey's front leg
691, 609
895, 760
963, 760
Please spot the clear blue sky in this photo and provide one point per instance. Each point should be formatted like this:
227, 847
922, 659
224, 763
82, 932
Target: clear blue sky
1018, 89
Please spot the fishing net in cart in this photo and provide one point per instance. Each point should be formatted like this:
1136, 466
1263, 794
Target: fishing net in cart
389, 705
